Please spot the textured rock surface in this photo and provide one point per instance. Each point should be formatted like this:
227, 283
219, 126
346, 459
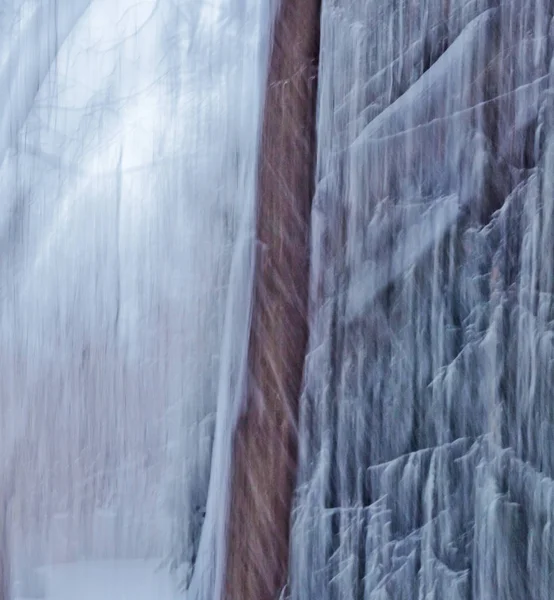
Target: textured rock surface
426, 431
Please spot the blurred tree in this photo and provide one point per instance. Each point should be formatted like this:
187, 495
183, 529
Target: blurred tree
265, 439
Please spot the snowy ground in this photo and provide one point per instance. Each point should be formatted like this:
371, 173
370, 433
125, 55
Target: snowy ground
113, 580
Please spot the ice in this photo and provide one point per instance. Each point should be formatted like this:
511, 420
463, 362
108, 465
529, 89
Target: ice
425, 466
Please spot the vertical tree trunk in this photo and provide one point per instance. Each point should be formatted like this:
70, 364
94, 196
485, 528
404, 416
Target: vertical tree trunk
265, 446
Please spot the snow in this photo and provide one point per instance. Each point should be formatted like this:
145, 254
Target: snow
128, 243
117, 580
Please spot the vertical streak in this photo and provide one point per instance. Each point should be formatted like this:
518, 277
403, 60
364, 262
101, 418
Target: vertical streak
5, 579
265, 444
6, 494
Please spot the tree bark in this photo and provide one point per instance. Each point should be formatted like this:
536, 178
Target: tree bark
265, 444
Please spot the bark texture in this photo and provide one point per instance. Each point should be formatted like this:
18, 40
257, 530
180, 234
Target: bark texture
265, 445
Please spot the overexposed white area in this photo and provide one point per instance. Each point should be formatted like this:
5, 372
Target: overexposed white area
119, 580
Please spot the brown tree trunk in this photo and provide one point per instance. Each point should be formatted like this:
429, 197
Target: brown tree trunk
265, 445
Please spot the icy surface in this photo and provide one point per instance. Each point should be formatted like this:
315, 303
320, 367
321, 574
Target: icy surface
427, 420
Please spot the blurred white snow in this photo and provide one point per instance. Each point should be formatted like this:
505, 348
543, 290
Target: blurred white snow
119, 580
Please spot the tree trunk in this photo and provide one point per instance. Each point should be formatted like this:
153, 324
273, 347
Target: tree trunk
265, 445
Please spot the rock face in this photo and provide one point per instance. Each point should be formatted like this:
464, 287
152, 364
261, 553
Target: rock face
427, 417
264, 457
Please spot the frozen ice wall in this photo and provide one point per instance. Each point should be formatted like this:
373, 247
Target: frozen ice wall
427, 421
128, 136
